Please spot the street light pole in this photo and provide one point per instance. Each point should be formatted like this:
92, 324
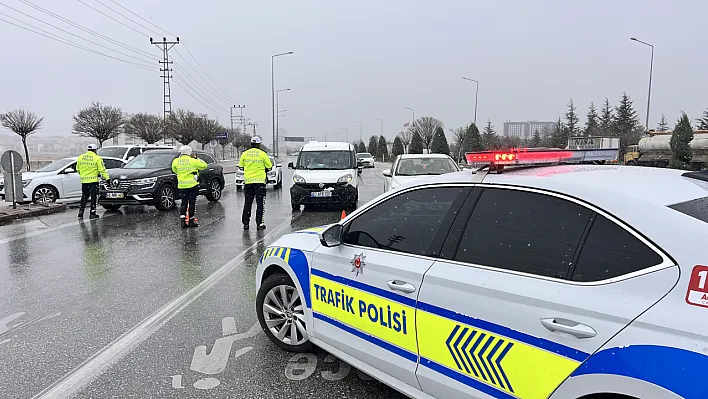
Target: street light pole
346, 129
411, 109
381, 120
651, 71
361, 129
272, 97
277, 117
476, 92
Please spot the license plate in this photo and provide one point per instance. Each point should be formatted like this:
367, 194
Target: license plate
321, 194
115, 195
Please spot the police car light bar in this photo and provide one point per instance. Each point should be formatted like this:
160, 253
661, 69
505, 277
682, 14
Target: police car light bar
539, 156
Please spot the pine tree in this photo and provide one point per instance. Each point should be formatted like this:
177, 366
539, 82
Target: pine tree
439, 144
473, 140
702, 122
416, 145
627, 125
592, 125
572, 122
361, 147
397, 148
536, 139
489, 137
663, 124
681, 143
559, 135
382, 149
607, 119
373, 142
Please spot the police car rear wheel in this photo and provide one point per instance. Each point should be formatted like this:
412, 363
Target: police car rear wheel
45, 194
281, 314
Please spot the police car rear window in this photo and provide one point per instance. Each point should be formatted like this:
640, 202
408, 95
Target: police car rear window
697, 208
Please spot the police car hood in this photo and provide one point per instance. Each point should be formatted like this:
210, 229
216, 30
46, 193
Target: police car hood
304, 240
322, 175
130, 174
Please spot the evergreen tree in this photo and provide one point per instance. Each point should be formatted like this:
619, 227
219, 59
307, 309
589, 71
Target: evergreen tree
681, 143
416, 145
439, 144
536, 139
397, 148
627, 125
473, 140
489, 136
373, 142
382, 149
607, 119
361, 147
663, 124
559, 136
702, 122
572, 122
592, 125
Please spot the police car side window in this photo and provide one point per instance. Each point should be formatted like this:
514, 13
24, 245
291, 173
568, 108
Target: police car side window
611, 251
523, 231
408, 222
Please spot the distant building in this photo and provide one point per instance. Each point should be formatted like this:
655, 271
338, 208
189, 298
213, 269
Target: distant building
525, 130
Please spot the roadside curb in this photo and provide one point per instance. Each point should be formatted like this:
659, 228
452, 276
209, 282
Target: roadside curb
7, 214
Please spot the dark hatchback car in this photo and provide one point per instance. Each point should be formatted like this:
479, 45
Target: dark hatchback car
148, 180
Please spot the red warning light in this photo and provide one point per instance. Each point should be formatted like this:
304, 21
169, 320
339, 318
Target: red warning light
518, 156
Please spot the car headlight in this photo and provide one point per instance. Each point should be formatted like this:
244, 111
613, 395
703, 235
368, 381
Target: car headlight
25, 183
298, 179
145, 181
345, 179
271, 173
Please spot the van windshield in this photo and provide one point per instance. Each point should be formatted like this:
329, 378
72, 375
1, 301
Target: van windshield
325, 160
115, 152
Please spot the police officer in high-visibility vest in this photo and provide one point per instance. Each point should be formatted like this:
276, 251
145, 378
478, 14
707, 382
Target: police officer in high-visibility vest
187, 167
255, 164
89, 165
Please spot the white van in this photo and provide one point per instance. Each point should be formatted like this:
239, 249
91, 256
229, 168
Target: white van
325, 173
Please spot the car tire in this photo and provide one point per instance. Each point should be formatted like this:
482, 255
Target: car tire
214, 190
166, 198
279, 184
111, 207
45, 194
631, 163
354, 204
276, 319
239, 188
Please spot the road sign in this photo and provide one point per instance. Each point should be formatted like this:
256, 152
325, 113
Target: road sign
698, 287
213, 143
221, 136
294, 139
11, 159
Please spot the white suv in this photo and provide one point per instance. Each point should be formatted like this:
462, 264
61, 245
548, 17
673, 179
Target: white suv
325, 173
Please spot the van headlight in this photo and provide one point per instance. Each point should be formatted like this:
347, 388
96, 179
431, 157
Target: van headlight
345, 179
297, 179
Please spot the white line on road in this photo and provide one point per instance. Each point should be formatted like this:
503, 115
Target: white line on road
49, 230
81, 376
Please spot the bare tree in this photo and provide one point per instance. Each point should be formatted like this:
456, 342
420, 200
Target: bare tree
147, 127
101, 122
425, 127
406, 137
23, 123
206, 129
458, 138
182, 126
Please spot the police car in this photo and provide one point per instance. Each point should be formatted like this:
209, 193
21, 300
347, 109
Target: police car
514, 281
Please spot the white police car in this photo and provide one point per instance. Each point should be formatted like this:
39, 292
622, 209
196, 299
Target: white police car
564, 281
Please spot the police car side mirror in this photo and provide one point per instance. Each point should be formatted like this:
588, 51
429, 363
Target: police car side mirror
278, 165
332, 236
291, 165
69, 170
387, 172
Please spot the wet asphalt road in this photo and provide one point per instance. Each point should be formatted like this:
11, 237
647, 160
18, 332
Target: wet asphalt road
133, 306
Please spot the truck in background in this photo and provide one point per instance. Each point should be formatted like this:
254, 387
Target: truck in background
597, 143
655, 150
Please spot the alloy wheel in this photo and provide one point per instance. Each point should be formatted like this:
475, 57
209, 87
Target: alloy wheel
215, 189
167, 197
284, 315
44, 195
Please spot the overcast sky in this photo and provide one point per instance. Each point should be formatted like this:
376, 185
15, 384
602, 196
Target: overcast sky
366, 59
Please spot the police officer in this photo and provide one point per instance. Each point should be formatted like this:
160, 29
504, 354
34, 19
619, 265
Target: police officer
255, 164
187, 167
89, 165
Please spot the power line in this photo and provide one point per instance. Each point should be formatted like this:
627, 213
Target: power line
50, 35
205, 72
108, 16
177, 82
129, 19
85, 29
123, 7
70, 33
191, 80
211, 90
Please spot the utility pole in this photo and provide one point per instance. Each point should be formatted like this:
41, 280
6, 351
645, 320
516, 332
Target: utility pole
239, 117
165, 46
255, 125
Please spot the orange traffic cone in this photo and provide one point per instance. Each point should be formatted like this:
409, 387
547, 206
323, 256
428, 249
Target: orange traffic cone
344, 214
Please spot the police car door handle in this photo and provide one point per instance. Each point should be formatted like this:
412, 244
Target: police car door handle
402, 286
569, 327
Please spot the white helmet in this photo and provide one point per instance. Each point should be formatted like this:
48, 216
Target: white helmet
256, 140
92, 147
185, 150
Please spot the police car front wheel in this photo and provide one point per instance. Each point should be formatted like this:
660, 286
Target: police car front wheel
281, 313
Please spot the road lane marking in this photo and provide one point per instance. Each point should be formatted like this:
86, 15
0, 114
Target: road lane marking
49, 230
73, 382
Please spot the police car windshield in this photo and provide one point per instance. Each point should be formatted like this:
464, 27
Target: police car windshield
115, 152
54, 166
325, 160
151, 160
425, 166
